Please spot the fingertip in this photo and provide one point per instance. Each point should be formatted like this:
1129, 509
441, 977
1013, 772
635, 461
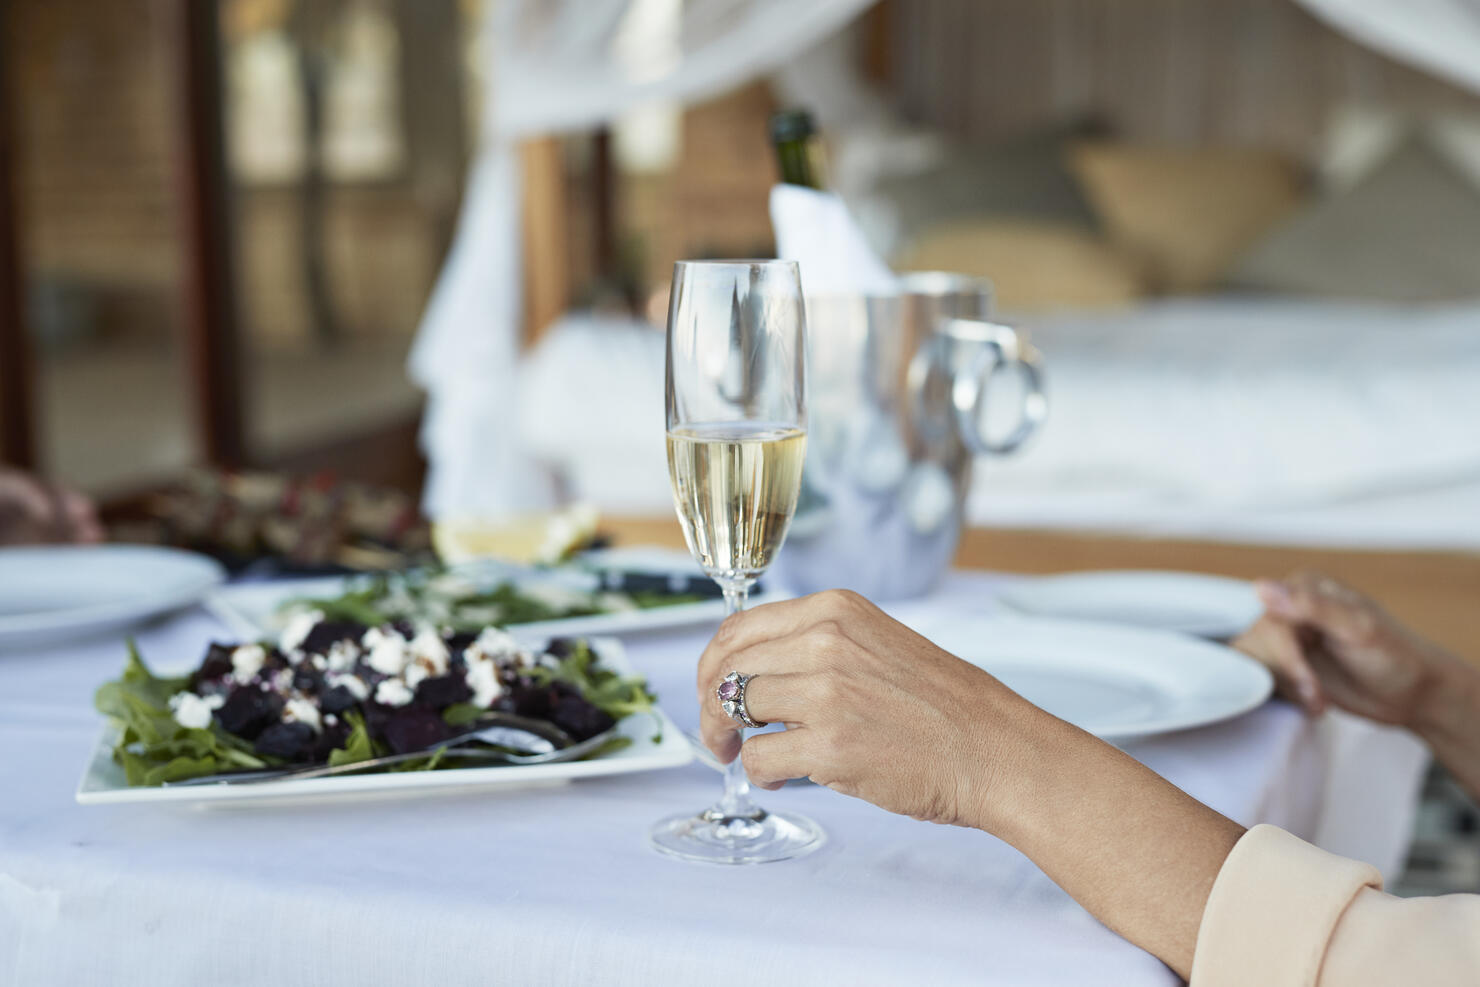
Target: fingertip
1276, 597
1309, 692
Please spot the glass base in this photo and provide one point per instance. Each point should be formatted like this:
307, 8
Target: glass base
712, 838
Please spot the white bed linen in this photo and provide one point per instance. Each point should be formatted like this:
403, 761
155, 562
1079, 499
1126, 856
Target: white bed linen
557, 885
1255, 420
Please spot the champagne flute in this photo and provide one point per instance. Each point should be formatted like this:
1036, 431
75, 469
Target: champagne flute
736, 418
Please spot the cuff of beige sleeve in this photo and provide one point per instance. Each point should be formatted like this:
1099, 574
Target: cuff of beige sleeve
1272, 911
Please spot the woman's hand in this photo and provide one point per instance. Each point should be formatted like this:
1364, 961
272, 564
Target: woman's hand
1328, 644
872, 709
31, 511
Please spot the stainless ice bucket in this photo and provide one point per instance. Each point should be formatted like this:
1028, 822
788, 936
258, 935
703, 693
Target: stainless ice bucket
898, 405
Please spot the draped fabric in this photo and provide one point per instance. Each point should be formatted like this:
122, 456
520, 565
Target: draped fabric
1441, 37
557, 66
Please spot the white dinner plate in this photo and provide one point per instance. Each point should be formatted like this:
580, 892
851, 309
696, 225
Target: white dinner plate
252, 609
1114, 681
103, 780
1205, 606
52, 593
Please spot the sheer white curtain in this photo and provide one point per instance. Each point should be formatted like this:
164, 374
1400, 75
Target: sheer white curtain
556, 66
1439, 36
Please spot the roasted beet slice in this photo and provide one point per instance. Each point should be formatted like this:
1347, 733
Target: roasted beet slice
334, 736
459, 642
326, 633
413, 728
248, 710
579, 718
306, 678
532, 700
275, 660
290, 741
216, 666
443, 691
336, 700
562, 647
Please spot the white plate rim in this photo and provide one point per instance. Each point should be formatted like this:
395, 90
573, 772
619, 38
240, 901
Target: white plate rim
672, 751
208, 573
1139, 640
1018, 596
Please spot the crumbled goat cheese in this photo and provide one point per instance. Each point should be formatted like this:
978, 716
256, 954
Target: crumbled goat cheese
429, 656
194, 711
387, 650
300, 709
482, 678
491, 643
392, 692
353, 683
342, 655
299, 627
246, 661
556, 596
282, 679
616, 602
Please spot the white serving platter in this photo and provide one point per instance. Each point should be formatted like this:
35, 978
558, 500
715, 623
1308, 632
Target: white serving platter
103, 780
50, 594
1193, 603
1116, 682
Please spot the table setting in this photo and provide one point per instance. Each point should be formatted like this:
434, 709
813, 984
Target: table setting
488, 773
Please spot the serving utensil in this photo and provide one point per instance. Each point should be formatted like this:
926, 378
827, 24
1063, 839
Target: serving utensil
541, 743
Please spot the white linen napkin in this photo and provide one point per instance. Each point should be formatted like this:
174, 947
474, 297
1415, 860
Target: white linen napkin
816, 230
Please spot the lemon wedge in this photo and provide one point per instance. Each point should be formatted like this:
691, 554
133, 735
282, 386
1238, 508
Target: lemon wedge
540, 538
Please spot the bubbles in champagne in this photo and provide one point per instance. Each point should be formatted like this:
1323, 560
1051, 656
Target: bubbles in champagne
735, 485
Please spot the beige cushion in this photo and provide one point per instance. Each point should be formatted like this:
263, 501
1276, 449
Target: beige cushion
1409, 231
1033, 264
1186, 212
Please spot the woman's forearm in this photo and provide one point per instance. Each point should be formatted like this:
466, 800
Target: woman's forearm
1449, 719
1138, 853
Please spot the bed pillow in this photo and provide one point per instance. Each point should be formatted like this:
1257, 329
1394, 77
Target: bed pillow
1188, 212
1033, 265
1408, 231
1025, 178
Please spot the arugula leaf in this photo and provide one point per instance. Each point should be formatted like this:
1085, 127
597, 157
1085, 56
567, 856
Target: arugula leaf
357, 747
616, 695
153, 747
462, 714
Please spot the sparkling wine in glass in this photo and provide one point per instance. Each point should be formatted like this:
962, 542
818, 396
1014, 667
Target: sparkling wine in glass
736, 418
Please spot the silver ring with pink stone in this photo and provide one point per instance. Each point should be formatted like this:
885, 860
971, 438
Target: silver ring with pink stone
731, 693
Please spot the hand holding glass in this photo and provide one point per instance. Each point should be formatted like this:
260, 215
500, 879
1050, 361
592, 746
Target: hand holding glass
736, 418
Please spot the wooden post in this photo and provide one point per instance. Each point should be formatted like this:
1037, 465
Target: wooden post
17, 372
545, 235
604, 204
211, 340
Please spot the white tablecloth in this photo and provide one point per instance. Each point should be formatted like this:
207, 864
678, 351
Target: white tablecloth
557, 885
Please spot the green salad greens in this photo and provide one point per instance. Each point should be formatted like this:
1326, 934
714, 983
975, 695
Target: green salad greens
453, 600
152, 747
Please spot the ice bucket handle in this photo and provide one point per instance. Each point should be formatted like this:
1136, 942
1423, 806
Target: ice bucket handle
990, 348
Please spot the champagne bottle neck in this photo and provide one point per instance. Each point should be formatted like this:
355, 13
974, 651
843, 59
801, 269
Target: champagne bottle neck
798, 150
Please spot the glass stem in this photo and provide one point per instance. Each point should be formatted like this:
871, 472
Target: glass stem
736, 801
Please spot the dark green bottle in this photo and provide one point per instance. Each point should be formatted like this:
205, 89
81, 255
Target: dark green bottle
798, 149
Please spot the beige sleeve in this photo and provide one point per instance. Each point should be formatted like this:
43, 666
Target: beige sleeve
1283, 912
